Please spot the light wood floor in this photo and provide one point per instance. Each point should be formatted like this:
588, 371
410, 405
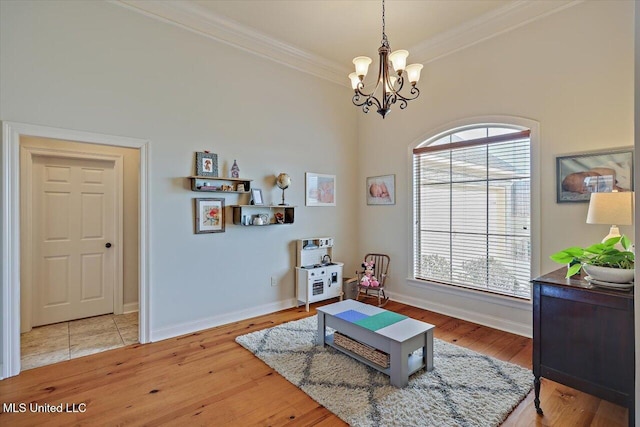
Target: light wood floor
207, 379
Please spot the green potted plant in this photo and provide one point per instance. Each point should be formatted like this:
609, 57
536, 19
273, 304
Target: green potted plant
602, 261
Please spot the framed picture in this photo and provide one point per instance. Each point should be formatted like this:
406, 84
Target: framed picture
209, 216
320, 189
381, 190
206, 164
256, 197
579, 175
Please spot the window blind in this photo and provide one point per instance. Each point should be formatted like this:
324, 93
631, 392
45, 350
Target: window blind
472, 212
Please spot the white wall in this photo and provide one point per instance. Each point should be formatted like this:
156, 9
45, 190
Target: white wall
98, 67
571, 72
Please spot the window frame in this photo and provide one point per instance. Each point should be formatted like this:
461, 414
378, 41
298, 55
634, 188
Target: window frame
511, 122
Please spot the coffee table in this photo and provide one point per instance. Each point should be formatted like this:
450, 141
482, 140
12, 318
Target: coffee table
392, 333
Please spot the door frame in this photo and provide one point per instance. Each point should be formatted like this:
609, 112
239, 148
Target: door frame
27, 155
10, 249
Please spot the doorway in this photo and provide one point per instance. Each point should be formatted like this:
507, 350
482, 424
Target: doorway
12, 134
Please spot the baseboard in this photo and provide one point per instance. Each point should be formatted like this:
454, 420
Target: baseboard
470, 316
224, 319
130, 307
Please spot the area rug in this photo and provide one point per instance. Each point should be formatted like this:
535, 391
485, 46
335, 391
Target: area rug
465, 388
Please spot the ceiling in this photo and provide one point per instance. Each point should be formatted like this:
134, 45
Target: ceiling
321, 37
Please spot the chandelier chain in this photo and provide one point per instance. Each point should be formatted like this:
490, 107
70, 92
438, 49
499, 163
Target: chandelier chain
385, 42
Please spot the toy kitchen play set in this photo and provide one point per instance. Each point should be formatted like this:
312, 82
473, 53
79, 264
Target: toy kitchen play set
318, 277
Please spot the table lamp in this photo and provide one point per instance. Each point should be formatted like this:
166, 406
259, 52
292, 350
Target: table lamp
615, 208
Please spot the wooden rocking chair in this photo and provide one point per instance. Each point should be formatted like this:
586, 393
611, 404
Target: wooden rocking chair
380, 271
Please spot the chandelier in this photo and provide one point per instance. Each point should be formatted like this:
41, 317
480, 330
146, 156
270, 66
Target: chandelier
391, 84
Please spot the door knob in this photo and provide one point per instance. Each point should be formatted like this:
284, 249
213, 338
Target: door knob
108, 245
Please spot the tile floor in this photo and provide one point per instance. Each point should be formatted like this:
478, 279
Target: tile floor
55, 343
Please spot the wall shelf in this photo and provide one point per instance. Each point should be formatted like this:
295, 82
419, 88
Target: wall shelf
216, 184
252, 211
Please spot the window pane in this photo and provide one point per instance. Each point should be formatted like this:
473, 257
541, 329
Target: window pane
469, 164
468, 134
469, 208
435, 167
441, 141
434, 260
500, 131
435, 207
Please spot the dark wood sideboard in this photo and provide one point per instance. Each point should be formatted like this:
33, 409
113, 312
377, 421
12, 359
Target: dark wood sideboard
583, 337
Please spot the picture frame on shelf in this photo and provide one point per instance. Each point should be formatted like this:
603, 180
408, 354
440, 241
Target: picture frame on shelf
209, 217
579, 175
240, 188
206, 164
256, 197
320, 189
381, 190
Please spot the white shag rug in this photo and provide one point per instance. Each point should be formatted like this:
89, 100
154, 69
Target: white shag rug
465, 388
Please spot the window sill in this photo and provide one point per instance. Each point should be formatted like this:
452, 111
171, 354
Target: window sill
474, 294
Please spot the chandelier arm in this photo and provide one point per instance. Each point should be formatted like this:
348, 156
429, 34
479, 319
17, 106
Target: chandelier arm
413, 91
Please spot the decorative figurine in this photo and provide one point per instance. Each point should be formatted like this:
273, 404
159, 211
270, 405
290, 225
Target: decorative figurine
235, 170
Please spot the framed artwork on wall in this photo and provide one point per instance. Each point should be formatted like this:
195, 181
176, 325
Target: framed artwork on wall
209, 216
320, 189
579, 175
206, 164
381, 190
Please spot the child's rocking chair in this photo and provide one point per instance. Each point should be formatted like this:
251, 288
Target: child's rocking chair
372, 278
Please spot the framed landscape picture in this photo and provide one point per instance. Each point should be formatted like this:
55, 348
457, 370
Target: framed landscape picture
381, 190
577, 176
320, 189
209, 216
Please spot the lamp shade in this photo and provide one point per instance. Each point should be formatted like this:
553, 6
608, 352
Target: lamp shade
355, 80
399, 59
362, 65
614, 208
413, 72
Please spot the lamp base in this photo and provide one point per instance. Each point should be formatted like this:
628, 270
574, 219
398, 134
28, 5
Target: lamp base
614, 231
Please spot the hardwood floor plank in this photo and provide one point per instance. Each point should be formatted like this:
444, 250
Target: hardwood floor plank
206, 378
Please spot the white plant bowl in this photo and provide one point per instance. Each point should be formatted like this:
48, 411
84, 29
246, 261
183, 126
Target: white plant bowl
608, 274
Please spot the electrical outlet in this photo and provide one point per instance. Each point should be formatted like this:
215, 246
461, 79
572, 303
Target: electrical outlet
274, 282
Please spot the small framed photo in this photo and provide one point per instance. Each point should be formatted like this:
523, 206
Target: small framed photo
381, 190
240, 188
209, 216
320, 189
206, 164
577, 176
256, 197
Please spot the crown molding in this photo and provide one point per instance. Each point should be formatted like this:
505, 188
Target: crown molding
484, 27
195, 18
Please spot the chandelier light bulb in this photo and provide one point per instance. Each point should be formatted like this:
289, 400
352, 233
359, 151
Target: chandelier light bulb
362, 66
399, 60
413, 73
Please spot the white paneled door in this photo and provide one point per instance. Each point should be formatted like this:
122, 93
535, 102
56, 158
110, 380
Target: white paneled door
73, 227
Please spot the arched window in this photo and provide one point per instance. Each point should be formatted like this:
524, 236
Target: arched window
472, 209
